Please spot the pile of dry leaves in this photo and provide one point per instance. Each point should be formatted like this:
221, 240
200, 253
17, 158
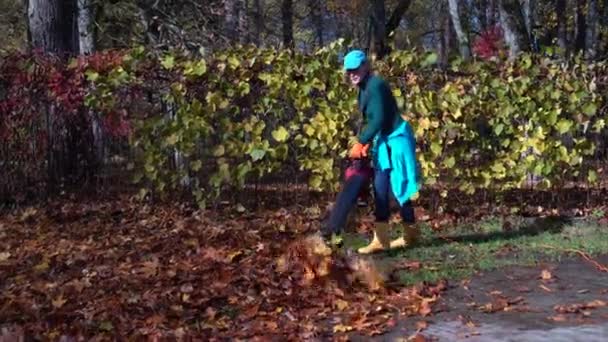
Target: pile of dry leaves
123, 269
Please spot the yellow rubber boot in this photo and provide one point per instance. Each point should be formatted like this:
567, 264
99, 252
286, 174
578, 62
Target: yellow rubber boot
410, 237
381, 240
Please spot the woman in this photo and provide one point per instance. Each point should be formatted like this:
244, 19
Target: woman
394, 152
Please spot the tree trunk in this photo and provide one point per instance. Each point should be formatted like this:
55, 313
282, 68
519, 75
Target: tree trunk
235, 23
378, 28
258, 21
86, 36
601, 35
287, 18
397, 15
591, 36
86, 46
463, 39
317, 12
481, 9
51, 26
232, 16
514, 27
491, 13
529, 12
445, 30
579, 26
243, 21
562, 30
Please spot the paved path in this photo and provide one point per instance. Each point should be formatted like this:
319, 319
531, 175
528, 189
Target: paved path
531, 317
488, 332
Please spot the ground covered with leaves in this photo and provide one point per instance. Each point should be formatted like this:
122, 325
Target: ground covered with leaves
119, 268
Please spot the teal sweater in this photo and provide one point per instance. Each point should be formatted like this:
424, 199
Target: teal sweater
379, 107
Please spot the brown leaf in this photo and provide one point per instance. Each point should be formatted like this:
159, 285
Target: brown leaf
571, 308
186, 288
251, 311
501, 304
516, 300
546, 275
342, 328
596, 304
408, 265
59, 301
271, 325
441, 286
341, 304
471, 324
425, 308
558, 318
233, 255
4, 256
155, 320
213, 254
417, 338
210, 312
78, 285
421, 325
149, 268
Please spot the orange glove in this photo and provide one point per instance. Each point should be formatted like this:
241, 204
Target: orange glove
359, 151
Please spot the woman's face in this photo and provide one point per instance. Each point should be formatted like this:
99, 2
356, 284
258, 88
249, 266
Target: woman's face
357, 75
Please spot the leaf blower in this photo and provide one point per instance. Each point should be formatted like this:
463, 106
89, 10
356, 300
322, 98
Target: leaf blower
355, 191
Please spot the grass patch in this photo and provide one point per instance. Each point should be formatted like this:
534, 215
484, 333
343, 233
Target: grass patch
490, 244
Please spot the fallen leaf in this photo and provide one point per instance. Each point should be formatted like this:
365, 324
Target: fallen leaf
516, 300
545, 288
4, 256
42, 267
155, 320
417, 338
149, 268
233, 255
421, 325
425, 308
342, 328
545, 275
408, 265
59, 301
471, 324
341, 304
251, 312
271, 325
186, 288
210, 312
558, 318
496, 305
106, 326
596, 304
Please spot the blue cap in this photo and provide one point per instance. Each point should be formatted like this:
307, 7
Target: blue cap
354, 59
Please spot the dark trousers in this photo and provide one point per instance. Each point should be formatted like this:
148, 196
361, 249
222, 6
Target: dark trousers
347, 198
382, 192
